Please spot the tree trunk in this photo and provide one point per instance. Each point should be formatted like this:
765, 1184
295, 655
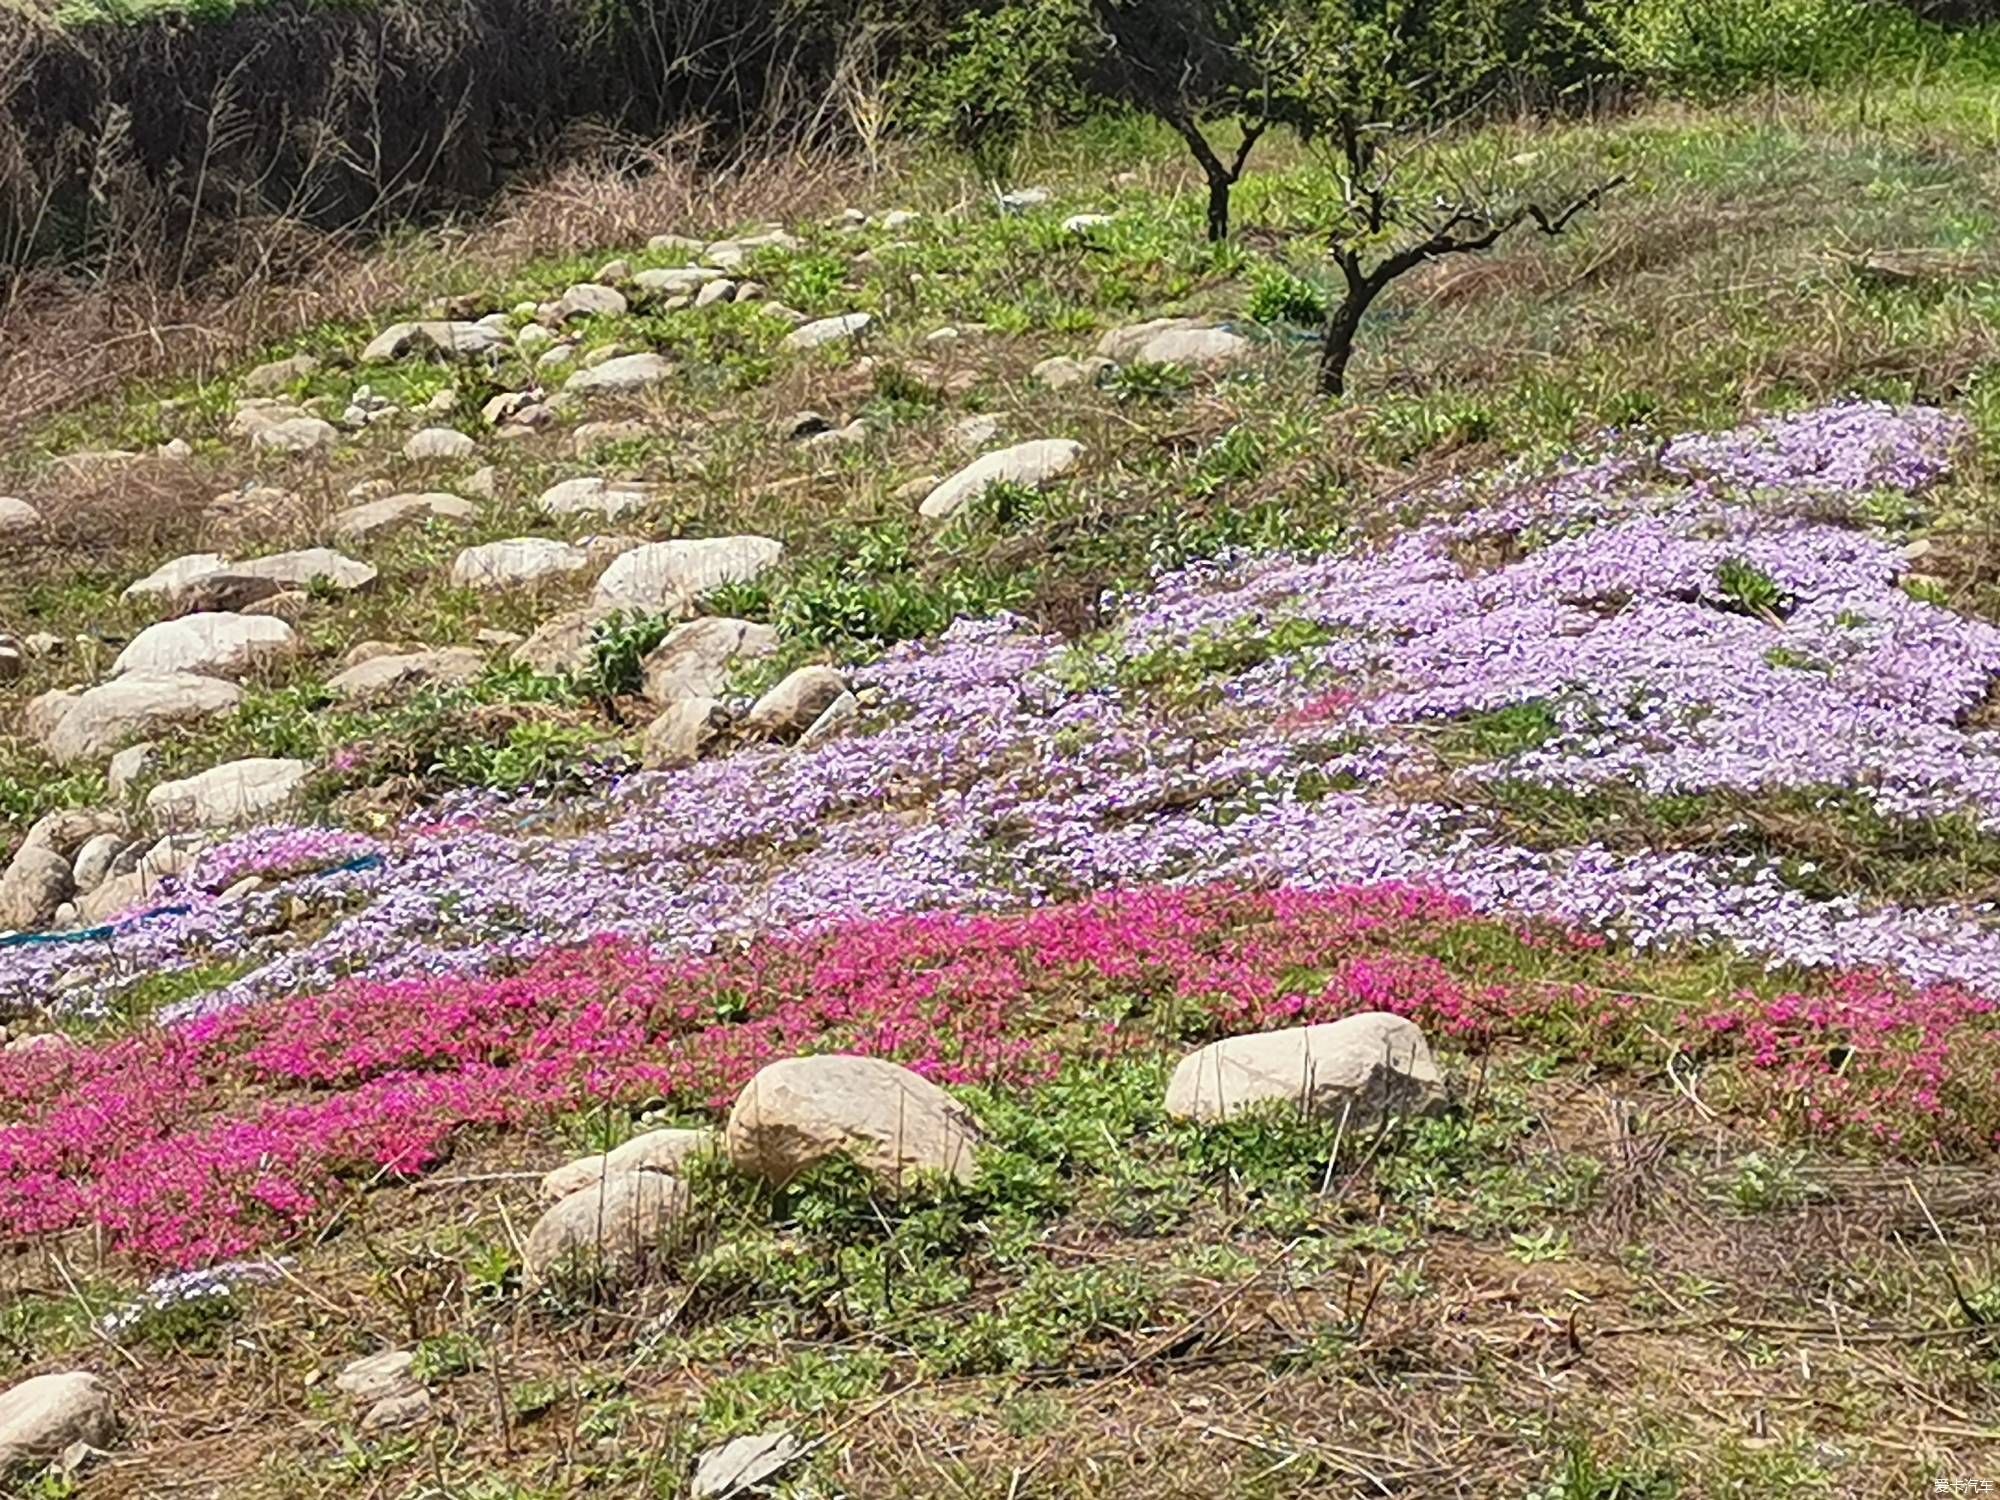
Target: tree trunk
1218, 207
1341, 326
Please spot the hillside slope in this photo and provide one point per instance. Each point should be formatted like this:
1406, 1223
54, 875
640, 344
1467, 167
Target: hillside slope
517, 729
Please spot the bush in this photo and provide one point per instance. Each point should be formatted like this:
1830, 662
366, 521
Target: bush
1710, 48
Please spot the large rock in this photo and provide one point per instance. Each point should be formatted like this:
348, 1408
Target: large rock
376, 1376
68, 829
678, 736
439, 445
695, 659
308, 568
122, 892
279, 374
396, 675
519, 562
743, 1466
593, 494
590, 299
138, 705
361, 523
668, 577
824, 331
229, 795
1367, 1066
611, 1228
1176, 341
295, 435
39, 1418
449, 340
170, 580
628, 372
789, 709
674, 281
93, 860
36, 883
18, 518
666, 1151
1034, 465
892, 1123
566, 643
213, 645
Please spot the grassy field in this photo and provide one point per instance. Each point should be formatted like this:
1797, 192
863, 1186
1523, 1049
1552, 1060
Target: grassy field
1629, 1263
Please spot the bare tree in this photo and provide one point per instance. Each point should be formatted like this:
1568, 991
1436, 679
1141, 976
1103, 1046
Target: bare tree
1453, 227
1194, 64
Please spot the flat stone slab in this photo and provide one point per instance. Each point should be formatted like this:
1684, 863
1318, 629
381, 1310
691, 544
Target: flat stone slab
139, 705
1034, 465
628, 372
361, 523
214, 645
229, 795
445, 338
398, 674
665, 577
593, 494
823, 331
519, 562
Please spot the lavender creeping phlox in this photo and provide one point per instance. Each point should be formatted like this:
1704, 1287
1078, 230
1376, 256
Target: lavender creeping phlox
997, 774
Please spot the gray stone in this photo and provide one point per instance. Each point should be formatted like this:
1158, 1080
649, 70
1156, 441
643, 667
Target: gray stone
170, 579
439, 445
1022, 199
36, 882
674, 281
1060, 371
130, 766
279, 374
674, 244
18, 518
824, 331
230, 795
785, 712
518, 562
593, 494
834, 720
738, 1467
42, 1417
448, 339
296, 435
678, 736
892, 1123
590, 299
694, 660
653, 1151
974, 433
719, 290
1034, 464
375, 1376
612, 1228
307, 569
362, 523
627, 372
214, 645
613, 271
68, 829
1176, 341
137, 705
404, 1409
397, 676
668, 577
93, 860
1366, 1066
593, 435
564, 644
